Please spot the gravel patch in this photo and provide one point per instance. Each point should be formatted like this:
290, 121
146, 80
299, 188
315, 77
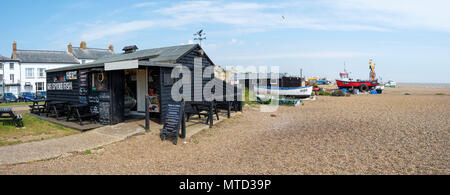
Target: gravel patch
365, 134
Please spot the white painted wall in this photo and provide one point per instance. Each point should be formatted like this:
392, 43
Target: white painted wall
36, 77
6, 70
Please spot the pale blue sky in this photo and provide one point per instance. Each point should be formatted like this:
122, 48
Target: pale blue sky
409, 40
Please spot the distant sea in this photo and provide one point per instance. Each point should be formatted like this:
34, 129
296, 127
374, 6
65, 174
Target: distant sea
426, 85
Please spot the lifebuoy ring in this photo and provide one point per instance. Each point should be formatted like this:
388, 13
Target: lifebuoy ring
364, 87
100, 77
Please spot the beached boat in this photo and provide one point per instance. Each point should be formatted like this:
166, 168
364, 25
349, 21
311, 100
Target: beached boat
392, 84
363, 85
301, 92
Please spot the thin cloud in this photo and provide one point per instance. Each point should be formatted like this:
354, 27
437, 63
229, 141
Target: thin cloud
245, 17
299, 55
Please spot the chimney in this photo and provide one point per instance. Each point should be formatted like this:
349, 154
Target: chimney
111, 48
83, 45
69, 48
130, 49
14, 53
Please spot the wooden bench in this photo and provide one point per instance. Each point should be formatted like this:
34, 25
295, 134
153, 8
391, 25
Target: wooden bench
80, 112
16, 119
203, 109
37, 108
56, 108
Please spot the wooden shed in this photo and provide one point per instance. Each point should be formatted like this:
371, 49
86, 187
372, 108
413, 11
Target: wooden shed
116, 85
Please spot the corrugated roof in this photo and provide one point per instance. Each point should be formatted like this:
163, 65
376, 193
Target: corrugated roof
90, 53
41, 56
164, 54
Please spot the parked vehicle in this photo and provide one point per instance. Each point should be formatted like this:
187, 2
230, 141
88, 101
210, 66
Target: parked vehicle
8, 97
26, 96
41, 95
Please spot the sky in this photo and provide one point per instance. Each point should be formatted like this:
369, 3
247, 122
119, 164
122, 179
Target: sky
409, 40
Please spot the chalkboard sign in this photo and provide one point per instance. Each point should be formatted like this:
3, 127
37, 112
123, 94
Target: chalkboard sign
83, 77
104, 113
173, 119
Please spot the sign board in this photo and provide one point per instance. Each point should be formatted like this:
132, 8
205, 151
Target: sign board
71, 75
83, 78
173, 118
122, 65
64, 86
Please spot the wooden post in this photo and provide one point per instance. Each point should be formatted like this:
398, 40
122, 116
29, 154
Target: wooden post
147, 113
211, 119
183, 121
229, 109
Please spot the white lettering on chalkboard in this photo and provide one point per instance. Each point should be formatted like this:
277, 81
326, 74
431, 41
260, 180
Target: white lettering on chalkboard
65, 86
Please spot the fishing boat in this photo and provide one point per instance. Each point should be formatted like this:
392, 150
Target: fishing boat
300, 92
392, 84
364, 85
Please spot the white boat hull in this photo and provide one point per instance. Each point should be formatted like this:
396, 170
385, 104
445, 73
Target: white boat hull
298, 91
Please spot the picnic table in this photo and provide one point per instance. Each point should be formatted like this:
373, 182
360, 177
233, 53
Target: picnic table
207, 109
16, 119
80, 112
56, 108
38, 108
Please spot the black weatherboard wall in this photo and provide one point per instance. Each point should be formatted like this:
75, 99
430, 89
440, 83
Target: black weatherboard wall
188, 61
107, 103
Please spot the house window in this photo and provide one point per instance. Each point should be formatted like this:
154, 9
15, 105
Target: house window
11, 66
1, 77
11, 77
40, 86
1, 65
29, 72
41, 72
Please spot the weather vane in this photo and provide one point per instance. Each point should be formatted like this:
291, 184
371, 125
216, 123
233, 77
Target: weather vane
200, 36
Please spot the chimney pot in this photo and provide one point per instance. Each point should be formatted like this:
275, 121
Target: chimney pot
83, 45
69, 48
14, 46
111, 48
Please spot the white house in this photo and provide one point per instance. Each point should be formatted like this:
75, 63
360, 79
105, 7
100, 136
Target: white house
9, 75
30, 74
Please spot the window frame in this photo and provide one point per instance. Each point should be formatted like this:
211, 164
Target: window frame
26, 72
39, 72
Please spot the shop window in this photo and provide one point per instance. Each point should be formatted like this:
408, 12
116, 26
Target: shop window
99, 81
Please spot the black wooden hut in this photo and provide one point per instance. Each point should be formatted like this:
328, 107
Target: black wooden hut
116, 85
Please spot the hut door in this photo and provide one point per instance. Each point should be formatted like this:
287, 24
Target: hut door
142, 89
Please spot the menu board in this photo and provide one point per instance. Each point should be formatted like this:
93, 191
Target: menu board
173, 118
83, 83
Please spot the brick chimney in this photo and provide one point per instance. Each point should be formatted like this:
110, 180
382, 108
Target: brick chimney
69, 48
14, 53
111, 48
83, 45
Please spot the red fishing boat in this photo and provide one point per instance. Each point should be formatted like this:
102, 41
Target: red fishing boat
363, 85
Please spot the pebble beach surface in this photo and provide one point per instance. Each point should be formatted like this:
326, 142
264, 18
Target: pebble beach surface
391, 133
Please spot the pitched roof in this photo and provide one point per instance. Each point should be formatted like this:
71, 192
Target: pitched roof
90, 53
163, 54
41, 56
156, 55
3, 58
